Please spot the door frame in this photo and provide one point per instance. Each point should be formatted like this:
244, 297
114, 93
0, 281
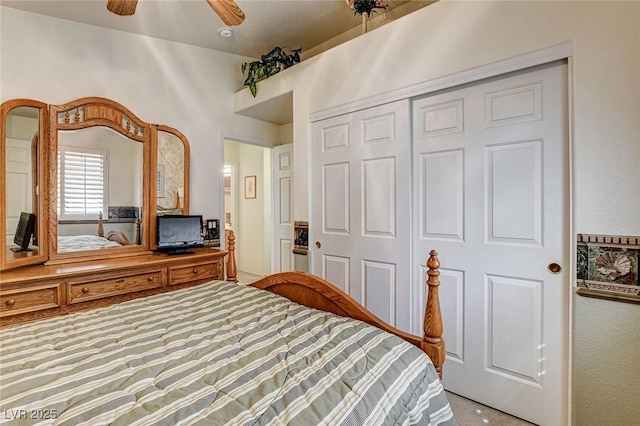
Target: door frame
250, 140
562, 51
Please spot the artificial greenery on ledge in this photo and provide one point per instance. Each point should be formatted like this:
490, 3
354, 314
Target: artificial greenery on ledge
362, 7
269, 64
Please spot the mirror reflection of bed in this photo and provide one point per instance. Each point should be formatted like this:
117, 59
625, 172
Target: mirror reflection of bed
99, 239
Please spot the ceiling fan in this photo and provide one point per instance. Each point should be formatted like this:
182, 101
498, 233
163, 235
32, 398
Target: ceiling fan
227, 10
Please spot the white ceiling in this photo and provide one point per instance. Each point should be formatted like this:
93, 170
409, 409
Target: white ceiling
297, 23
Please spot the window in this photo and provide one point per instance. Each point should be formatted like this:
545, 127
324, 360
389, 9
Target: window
82, 183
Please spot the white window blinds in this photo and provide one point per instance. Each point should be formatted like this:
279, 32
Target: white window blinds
82, 183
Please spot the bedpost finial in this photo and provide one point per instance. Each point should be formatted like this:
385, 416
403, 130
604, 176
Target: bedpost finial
100, 227
433, 262
232, 271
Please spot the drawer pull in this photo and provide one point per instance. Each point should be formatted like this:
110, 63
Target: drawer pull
10, 302
85, 290
195, 271
150, 279
121, 280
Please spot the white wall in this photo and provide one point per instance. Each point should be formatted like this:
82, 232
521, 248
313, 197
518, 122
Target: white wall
22, 128
250, 235
185, 87
449, 37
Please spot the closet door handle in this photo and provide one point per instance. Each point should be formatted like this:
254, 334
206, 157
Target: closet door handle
318, 244
554, 268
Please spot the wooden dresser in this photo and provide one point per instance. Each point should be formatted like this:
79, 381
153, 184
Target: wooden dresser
35, 292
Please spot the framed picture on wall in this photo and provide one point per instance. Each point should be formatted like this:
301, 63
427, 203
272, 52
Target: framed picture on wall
249, 187
160, 181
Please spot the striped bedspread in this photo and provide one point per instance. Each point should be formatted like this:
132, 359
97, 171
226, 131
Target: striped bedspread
218, 353
84, 242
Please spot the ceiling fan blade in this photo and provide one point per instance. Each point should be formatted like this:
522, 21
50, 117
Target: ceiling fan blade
228, 11
122, 7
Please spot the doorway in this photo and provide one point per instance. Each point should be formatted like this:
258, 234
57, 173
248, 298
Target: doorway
248, 206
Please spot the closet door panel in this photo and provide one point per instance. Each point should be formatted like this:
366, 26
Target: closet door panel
360, 220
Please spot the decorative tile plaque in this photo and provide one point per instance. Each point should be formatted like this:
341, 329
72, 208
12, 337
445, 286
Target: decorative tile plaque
608, 267
301, 243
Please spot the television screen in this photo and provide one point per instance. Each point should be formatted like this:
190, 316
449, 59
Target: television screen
24, 232
176, 234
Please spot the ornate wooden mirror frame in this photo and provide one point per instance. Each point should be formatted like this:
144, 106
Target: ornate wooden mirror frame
86, 113
36, 161
89, 113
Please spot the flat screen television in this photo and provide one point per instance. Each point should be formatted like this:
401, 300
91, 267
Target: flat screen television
24, 232
178, 234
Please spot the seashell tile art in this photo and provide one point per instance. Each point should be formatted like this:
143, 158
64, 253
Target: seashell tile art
613, 265
609, 266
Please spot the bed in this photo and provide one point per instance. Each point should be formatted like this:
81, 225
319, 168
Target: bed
84, 242
226, 354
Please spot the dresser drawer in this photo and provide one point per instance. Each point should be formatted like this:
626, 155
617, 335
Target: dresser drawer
90, 290
198, 272
36, 298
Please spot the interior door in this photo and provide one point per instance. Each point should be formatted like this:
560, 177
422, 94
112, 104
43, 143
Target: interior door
491, 196
283, 207
360, 219
19, 179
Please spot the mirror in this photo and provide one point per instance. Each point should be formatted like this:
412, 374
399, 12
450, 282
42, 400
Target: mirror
98, 162
172, 177
22, 158
172, 161
94, 176
99, 172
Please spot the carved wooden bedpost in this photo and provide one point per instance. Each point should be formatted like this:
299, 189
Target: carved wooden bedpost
138, 232
100, 227
232, 272
434, 345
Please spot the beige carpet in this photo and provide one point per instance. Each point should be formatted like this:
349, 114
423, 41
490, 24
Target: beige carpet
247, 277
471, 413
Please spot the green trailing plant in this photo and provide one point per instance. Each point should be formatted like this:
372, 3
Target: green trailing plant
269, 64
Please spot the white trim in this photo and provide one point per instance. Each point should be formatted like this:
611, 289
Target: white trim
310, 235
250, 140
516, 63
240, 138
274, 246
572, 240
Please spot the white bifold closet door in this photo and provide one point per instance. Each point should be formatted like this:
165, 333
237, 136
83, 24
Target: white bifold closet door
361, 175
490, 191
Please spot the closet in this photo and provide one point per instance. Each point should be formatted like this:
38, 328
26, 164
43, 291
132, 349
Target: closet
478, 172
